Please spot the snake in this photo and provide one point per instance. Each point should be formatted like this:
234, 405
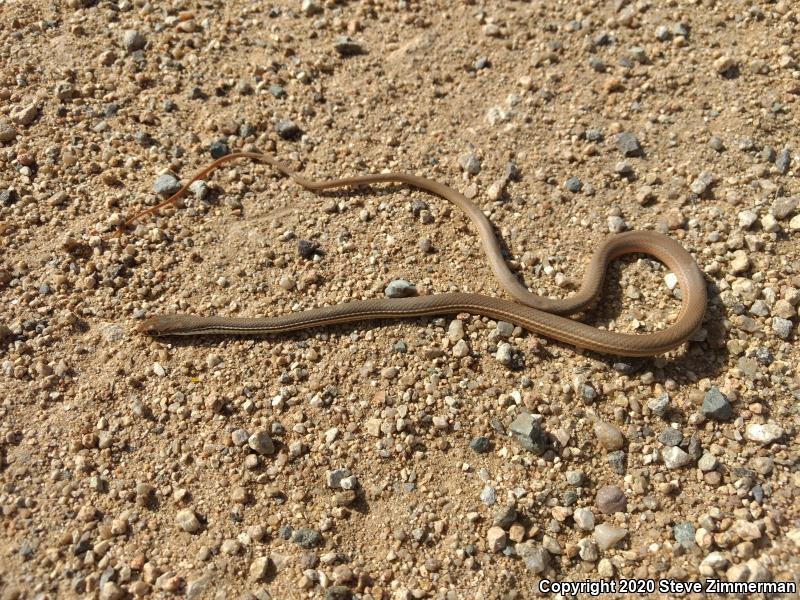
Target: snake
549, 317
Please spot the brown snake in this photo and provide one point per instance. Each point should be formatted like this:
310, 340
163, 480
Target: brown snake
541, 315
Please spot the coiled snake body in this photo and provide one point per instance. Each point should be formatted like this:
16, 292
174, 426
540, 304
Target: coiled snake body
545, 316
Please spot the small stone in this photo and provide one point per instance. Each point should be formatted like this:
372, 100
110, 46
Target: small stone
662, 33
133, 40
616, 224
794, 223
188, 521
504, 517
587, 550
716, 143
166, 185
684, 534
496, 539
307, 249
658, 406
609, 436
782, 208
259, 568
346, 46
455, 331
740, 262
276, 91
607, 535
288, 130
747, 219
461, 349
702, 183
307, 538
489, 495
504, 354
671, 437
218, 149
628, 144
783, 161
617, 461
334, 478
400, 288
726, 66
262, 443
25, 115
528, 433
782, 327
764, 434
610, 499
716, 405
480, 445
239, 437
199, 189
584, 518
504, 329
573, 185
675, 458
707, 462
470, 163
7, 131
310, 8
535, 557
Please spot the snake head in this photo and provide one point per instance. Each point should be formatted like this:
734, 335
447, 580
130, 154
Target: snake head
158, 326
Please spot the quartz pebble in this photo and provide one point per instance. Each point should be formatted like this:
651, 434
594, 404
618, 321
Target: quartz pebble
607, 535
188, 521
400, 288
764, 434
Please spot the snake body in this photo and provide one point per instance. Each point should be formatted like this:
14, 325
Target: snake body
545, 316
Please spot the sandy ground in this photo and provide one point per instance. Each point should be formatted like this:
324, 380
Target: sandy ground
377, 460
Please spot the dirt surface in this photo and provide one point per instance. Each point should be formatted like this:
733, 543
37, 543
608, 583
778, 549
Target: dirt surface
432, 458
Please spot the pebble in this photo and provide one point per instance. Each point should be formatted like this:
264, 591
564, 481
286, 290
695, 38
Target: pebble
346, 46
489, 495
528, 433
740, 262
455, 331
675, 458
609, 436
616, 224
794, 223
702, 183
261, 443
133, 40
584, 518
25, 115
199, 189
573, 185
188, 521
610, 499
505, 517
400, 288
470, 163
7, 131
684, 534
334, 478
707, 462
504, 329
716, 405
307, 538
782, 327
259, 568
607, 535
504, 353
658, 406
461, 349
764, 434
218, 149
671, 437
288, 130
716, 143
480, 445
535, 557
628, 144
276, 91
496, 539
166, 185
783, 161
